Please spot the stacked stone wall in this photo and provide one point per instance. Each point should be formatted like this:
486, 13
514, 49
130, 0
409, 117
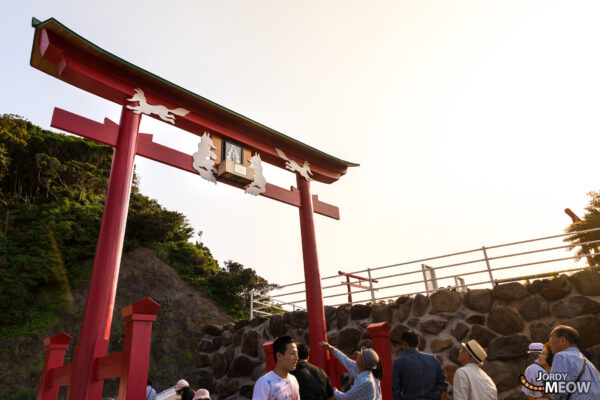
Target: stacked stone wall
504, 320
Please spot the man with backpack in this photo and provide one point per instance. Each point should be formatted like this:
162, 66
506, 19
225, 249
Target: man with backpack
314, 382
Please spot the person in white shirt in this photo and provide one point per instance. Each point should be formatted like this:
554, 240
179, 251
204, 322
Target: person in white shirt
470, 382
279, 384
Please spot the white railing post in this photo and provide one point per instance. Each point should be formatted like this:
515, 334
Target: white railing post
371, 286
487, 263
251, 304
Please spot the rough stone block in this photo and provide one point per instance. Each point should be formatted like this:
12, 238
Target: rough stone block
476, 319
396, 332
246, 391
213, 330
505, 320
507, 347
534, 307
276, 326
348, 339
360, 311
341, 315
381, 313
330, 313
479, 300
420, 305
250, 343
510, 291
483, 335
299, 319
219, 365
433, 326
557, 288
575, 306
227, 387
242, 365
540, 331
587, 282
460, 331
444, 300
438, 345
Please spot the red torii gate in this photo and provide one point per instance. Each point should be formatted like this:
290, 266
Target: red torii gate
64, 54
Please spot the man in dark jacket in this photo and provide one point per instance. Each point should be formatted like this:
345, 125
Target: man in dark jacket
417, 375
313, 381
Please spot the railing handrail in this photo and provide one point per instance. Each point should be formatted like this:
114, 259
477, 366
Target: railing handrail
486, 268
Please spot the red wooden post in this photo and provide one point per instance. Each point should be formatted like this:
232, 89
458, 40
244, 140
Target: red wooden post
380, 334
54, 349
312, 276
95, 328
349, 289
138, 318
269, 360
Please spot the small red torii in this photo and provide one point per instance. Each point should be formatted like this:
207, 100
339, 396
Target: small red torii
65, 55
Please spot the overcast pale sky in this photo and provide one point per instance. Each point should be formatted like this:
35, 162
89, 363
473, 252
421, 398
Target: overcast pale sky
475, 122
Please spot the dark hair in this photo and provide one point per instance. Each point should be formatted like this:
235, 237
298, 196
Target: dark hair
280, 344
550, 355
149, 382
302, 351
411, 337
568, 333
378, 370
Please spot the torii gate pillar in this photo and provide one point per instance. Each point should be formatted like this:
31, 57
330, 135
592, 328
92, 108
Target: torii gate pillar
100, 302
312, 276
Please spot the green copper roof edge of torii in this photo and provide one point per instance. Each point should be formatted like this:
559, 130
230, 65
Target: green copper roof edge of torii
37, 24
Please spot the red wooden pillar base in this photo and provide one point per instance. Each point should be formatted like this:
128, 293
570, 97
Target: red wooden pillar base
138, 318
54, 349
269, 360
380, 334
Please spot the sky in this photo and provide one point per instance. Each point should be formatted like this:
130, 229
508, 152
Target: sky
475, 123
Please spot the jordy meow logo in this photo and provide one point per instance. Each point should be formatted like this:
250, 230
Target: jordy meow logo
556, 383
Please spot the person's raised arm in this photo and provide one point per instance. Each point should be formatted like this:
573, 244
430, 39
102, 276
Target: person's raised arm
348, 363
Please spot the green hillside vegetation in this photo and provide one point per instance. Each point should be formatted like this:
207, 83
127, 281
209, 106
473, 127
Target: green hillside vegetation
52, 190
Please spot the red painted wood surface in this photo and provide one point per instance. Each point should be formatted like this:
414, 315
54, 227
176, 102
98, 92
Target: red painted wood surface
95, 328
54, 349
380, 334
138, 319
269, 360
312, 276
67, 56
106, 133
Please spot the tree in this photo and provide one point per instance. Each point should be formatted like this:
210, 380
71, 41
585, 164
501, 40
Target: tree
233, 284
590, 220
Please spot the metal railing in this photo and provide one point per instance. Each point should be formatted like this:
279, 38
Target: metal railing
262, 304
476, 268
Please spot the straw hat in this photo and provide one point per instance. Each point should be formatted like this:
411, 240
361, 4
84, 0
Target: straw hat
475, 350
